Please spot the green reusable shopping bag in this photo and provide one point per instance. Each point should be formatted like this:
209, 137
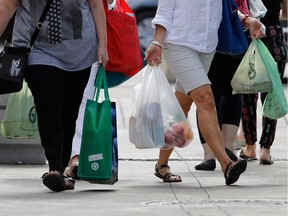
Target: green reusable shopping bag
275, 104
95, 159
20, 118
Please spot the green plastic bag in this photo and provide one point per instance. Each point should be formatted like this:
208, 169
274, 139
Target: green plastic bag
275, 104
20, 118
96, 152
251, 75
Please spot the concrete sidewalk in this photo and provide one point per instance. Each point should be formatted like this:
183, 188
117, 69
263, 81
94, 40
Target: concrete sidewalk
261, 190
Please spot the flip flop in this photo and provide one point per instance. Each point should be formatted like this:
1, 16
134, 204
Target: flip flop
243, 156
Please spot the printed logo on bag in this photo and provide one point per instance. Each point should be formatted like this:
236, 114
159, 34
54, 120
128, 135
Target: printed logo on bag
252, 71
14, 71
95, 166
32, 115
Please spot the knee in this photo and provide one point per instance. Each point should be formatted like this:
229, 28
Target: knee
205, 100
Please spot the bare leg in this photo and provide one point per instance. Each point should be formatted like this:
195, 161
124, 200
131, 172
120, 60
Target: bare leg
208, 123
185, 103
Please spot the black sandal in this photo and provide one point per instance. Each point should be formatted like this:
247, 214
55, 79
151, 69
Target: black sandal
166, 177
57, 182
234, 170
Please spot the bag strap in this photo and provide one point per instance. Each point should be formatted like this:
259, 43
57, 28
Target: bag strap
101, 82
38, 26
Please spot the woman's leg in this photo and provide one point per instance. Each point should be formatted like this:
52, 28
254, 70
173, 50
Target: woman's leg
47, 86
72, 168
276, 45
249, 124
185, 102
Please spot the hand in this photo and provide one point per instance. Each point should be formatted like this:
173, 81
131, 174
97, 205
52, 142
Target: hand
103, 56
153, 55
256, 28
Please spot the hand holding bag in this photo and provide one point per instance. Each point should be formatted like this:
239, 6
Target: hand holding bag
98, 159
13, 60
157, 120
232, 39
251, 75
20, 117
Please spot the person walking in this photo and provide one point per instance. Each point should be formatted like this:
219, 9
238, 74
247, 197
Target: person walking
275, 42
73, 37
228, 105
186, 32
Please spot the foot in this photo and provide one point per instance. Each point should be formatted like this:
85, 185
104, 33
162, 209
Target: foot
208, 165
72, 169
234, 170
163, 172
265, 157
248, 155
57, 182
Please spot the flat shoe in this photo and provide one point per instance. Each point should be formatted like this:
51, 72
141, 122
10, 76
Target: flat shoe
57, 182
234, 170
208, 165
167, 176
243, 156
231, 155
266, 162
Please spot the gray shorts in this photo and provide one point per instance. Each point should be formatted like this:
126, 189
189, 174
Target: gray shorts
189, 66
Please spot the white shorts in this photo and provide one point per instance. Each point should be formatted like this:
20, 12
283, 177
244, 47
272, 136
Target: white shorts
190, 67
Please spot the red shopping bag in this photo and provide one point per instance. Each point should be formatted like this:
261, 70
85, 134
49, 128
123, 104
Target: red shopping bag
122, 40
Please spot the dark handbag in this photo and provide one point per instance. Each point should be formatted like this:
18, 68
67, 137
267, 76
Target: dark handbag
13, 60
232, 39
98, 159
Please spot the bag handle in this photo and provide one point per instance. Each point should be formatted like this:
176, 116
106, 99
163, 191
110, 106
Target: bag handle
101, 82
38, 26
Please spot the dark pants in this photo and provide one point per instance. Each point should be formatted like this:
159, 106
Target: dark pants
275, 43
57, 96
228, 106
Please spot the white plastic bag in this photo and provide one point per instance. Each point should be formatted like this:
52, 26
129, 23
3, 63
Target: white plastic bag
157, 120
257, 9
251, 75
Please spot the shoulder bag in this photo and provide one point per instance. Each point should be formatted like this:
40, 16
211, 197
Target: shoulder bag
13, 60
232, 39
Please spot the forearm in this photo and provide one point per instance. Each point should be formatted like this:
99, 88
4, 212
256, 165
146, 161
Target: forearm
160, 34
7, 9
99, 18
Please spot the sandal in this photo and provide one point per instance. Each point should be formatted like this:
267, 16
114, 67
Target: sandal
234, 170
71, 171
167, 176
57, 182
